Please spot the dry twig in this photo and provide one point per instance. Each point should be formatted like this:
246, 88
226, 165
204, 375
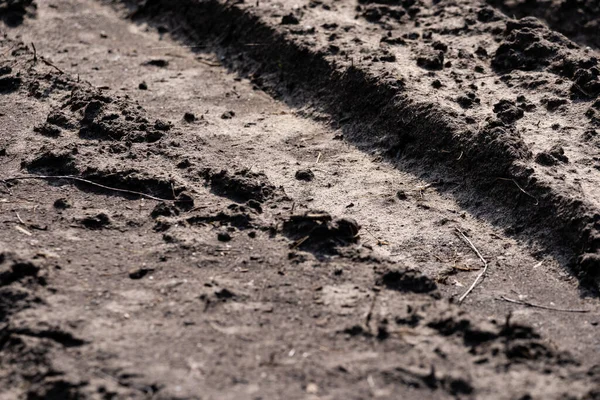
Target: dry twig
481, 274
205, 62
380, 242
299, 242
528, 304
521, 189
74, 178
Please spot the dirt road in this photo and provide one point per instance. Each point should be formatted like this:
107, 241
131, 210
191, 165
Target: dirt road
210, 200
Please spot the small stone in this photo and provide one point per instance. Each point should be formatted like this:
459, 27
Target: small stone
143, 86
312, 388
401, 195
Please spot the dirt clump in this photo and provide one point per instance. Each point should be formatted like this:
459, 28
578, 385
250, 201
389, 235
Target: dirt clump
12, 12
318, 231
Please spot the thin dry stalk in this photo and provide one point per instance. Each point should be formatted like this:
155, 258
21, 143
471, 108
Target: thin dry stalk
483, 271
528, 304
74, 178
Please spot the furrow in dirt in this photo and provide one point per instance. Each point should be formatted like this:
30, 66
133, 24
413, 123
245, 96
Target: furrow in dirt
224, 286
498, 103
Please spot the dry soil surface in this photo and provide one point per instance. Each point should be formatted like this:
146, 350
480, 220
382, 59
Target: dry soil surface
219, 200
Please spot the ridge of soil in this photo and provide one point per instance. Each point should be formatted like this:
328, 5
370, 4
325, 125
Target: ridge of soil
519, 75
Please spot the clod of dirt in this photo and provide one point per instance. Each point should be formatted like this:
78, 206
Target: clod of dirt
508, 111
554, 103
317, 231
406, 281
161, 125
12, 12
587, 81
52, 163
487, 14
552, 156
290, 19
578, 19
356, 330
224, 294
14, 268
304, 175
96, 222
467, 101
223, 236
48, 130
189, 117
228, 115
158, 62
62, 204
139, 273
241, 185
255, 205
9, 84
102, 117
431, 60
164, 210
529, 45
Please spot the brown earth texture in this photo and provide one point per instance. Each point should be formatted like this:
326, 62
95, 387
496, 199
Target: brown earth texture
324, 199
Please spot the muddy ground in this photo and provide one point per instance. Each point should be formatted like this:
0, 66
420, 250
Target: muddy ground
216, 200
